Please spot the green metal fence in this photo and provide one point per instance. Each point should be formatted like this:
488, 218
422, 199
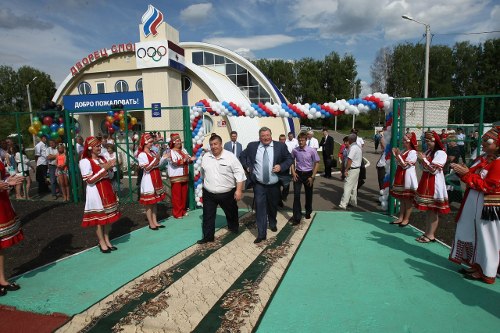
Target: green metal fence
473, 114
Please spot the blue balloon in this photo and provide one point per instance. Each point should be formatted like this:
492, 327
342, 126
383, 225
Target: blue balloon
54, 127
111, 113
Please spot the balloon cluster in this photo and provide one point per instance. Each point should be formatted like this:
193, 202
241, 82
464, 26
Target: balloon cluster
115, 121
50, 127
310, 111
198, 133
384, 193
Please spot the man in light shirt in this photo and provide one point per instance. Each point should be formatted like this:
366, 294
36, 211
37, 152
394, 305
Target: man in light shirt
312, 141
291, 142
461, 143
223, 181
41, 165
354, 159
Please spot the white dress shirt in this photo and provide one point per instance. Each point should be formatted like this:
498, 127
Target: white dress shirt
221, 174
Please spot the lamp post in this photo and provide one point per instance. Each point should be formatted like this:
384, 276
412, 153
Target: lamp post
29, 105
427, 50
353, 96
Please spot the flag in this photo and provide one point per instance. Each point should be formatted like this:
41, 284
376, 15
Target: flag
176, 56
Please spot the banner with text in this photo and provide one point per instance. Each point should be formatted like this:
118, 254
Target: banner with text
103, 102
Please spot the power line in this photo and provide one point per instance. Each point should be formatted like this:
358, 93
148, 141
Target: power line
470, 33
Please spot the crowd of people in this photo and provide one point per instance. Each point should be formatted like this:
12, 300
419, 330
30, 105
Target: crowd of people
269, 166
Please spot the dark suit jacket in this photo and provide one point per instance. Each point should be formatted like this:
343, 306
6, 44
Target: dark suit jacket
281, 156
327, 146
229, 147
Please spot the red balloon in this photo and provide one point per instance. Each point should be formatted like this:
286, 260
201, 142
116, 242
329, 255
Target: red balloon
381, 105
111, 130
47, 120
117, 116
61, 120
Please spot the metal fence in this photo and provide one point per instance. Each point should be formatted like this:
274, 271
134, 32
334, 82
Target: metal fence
473, 115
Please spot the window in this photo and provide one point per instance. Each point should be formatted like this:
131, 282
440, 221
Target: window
208, 123
101, 87
186, 83
219, 59
209, 59
198, 58
84, 88
138, 85
230, 69
121, 86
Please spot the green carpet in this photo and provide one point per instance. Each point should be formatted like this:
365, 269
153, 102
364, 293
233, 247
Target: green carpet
356, 273
76, 283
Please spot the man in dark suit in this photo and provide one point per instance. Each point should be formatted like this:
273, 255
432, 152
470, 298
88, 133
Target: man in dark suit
266, 161
234, 146
327, 144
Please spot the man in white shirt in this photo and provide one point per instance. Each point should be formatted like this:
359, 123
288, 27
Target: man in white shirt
312, 141
461, 143
223, 182
354, 158
291, 142
79, 146
41, 165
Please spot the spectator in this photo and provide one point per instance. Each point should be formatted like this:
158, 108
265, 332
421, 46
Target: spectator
265, 160
461, 143
109, 153
343, 151
405, 181
431, 195
353, 164
304, 169
101, 206
23, 170
179, 175
51, 157
381, 163
234, 146
223, 182
359, 140
311, 140
41, 165
327, 144
62, 171
376, 138
79, 146
453, 152
477, 243
291, 142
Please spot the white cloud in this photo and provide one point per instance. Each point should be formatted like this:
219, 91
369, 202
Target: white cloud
253, 43
11, 20
197, 13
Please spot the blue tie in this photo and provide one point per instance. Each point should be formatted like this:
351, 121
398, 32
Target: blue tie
265, 166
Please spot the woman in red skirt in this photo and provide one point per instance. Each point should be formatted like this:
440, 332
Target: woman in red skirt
10, 225
405, 181
152, 190
101, 205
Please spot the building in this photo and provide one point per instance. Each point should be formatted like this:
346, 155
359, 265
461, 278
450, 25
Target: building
158, 72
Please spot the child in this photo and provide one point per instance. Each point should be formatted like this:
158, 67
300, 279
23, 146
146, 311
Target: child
344, 150
62, 171
113, 175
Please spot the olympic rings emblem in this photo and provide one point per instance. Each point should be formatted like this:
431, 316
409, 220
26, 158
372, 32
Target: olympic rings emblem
152, 53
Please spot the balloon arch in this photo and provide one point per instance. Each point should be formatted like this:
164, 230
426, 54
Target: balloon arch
310, 111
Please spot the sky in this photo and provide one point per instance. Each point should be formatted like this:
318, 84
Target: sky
52, 35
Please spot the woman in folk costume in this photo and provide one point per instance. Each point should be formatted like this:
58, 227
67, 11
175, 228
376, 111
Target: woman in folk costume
152, 190
101, 204
10, 225
179, 175
431, 195
405, 181
477, 238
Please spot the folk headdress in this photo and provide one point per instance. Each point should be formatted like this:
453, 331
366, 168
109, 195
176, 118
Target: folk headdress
494, 135
412, 139
173, 137
145, 139
90, 143
433, 136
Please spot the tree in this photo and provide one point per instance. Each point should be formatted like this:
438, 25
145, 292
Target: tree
379, 70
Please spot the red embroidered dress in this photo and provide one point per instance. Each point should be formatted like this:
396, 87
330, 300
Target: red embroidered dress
405, 181
101, 206
10, 225
431, 193
152, 190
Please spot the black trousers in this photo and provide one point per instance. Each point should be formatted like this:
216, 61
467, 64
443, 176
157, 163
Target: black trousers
41, 178
297, 188
327, 160
228, 204
380, 177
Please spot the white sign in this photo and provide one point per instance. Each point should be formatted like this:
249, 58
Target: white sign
151, 54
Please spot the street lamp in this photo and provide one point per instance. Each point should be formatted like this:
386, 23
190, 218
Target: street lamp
427, 49
29, 105
353, 96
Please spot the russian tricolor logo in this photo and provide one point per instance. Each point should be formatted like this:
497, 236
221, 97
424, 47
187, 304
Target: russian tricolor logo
151, 19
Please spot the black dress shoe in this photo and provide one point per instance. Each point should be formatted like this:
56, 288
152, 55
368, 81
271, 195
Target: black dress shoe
11, 286
259, 239
161, 226
155, 228
205, 240
273, 229
234, 231
308, 216
295, 222
108, 250
113, 248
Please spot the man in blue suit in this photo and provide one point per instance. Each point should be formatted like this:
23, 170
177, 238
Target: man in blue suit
266, 161
234, 146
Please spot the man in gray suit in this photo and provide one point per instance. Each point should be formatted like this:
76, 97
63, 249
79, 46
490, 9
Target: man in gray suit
234, 146
266, 161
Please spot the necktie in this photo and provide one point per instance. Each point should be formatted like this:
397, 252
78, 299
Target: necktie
265, 166
309, 143
234, 148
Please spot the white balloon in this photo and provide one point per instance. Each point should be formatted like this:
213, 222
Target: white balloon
199, 142
309, 116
